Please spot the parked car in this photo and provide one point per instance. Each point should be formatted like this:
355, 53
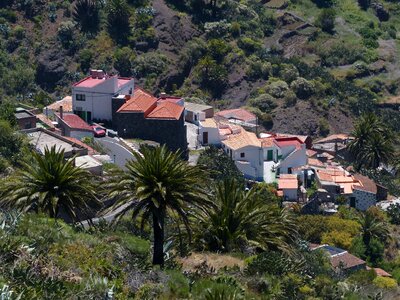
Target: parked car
98, 131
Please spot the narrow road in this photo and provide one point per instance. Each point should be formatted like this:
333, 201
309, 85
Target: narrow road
118, 153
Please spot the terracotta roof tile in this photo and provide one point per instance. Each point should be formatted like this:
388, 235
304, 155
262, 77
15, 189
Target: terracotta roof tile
366, 184
267, 142
287, 183
209, 123
166, 110
315, 162
141, 101
239, 114
332, 137
74, 122
346, 260
66, 103
242, 139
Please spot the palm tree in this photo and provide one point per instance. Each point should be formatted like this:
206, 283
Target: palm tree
157, 183
372, 142
50, 184
244, 217
372, 227
86, 13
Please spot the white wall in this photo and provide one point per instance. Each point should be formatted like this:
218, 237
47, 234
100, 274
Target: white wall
98, 99
265, 150
294, 160
213, 135
253, 155
80, 134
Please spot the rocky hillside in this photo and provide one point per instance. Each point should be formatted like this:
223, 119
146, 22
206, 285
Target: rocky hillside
304, 66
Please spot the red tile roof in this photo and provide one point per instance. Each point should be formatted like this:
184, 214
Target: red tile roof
239, 113
282, 142
287, 183
90, 82
172, 99
267, 142
346, 260
141, 101
166, 110
366, 184
75, 122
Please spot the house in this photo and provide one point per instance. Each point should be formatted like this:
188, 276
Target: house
65, 103
25, 119
260, 159
244, 148
72, 125
288, 187
89, 163
92, 96
361, 191
143, 116
238, 115
341, 260
306, 139
335, 144
165, 98
197, 112
41, 138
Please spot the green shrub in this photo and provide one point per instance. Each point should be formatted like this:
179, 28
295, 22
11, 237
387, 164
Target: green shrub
323, 127
249, 45
85, 59
264, 102
65, 33
150, 64
288, 73
178, 285
326, 20
277, 88
385, 282
123, 58
303, 88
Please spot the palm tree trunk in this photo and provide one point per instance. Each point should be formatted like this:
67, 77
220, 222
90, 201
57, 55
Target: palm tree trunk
158, 231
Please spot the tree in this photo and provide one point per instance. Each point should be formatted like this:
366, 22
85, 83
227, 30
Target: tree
10, 142
218, 165
123, 61
372, 228
52, 185
212, 75
118, 19
326, 20
372, 142
241, 218
156, 184
393, 212
86, 13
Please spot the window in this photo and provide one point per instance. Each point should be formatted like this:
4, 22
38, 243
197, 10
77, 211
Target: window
242, 154
80, 97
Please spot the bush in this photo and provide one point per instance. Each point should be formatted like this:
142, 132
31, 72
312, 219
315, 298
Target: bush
118, 13
385, 282
264, 102
249, 45
323, 127
288, 73
303, 88
393, 212
123, 58
150, 64
326, 20
85, 59
258, 69
66, 33
277, 88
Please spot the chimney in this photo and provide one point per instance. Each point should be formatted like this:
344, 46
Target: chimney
61, 112
163, 95
100, 74
93, 73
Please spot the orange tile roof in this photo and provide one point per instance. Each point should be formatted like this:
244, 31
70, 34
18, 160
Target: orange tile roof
346, 260
209, 123
242, 139
75, 122
45, 120
315, 162
288, 176
287, 183
238, 113
366, 184
66, 103
166, 110
267, 142
311, 153
332, 137
141, 101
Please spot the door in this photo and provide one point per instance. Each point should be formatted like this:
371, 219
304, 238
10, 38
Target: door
270, 155
205, 137
352, 202
89, 117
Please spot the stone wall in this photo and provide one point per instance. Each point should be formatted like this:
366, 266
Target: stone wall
364, 199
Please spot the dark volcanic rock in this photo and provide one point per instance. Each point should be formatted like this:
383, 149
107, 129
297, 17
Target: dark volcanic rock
51, 68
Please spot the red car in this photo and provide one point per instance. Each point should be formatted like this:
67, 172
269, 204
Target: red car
98, 131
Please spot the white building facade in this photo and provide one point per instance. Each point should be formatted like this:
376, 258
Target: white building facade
92, 96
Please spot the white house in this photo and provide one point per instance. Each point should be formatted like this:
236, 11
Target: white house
92, 96
245, 149
288, 187
209, 132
